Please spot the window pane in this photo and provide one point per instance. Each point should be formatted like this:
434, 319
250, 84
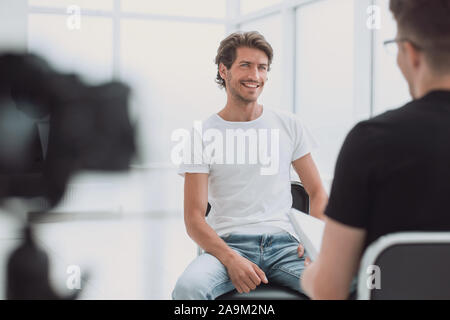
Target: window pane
324, 85
270, 28
86, 51
193, 8
83, 4
390, 88
248, 6
172, 75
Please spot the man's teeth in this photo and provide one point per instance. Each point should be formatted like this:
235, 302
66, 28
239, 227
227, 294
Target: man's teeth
251, 85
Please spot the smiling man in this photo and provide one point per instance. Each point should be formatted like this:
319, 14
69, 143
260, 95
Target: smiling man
247, 236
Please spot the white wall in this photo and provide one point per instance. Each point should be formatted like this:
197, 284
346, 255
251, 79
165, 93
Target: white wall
13, 25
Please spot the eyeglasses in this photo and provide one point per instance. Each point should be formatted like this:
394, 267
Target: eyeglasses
391, 46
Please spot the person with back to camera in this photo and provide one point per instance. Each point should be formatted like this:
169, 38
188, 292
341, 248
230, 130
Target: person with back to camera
393, 171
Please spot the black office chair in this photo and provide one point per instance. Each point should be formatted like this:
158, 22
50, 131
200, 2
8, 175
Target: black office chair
408, 265
300, 201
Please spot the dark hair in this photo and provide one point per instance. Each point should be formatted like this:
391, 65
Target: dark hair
427, 24
226, 53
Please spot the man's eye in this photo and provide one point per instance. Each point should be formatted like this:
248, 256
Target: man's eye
244, 65
262, 68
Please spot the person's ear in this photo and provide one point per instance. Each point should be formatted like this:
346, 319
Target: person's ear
412, 54
223, 71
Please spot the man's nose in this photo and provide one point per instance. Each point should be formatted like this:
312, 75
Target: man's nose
253, 74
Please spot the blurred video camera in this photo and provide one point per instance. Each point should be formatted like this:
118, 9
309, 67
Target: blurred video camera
53, 125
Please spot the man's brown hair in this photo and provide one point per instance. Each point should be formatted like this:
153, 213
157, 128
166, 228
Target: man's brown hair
226, 53
426, 23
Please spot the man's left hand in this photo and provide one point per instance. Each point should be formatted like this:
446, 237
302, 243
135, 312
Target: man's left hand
300, 250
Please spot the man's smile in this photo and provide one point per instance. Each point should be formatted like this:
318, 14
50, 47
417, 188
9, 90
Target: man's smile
250, 85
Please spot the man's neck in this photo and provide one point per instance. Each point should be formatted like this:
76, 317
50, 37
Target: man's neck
241, 111
433, 84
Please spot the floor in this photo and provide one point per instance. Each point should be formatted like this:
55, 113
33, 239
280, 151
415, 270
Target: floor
124, 257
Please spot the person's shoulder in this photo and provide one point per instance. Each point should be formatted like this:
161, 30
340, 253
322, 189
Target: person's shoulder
382, 125
278, 112
211, 118
366, 129
365, 134
394, 115
368, 134
211, 121
282, 115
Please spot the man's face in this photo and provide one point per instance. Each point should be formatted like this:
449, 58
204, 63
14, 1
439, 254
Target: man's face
246, 77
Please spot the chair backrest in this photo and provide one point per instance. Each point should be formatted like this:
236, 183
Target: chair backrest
300, 198
406, 265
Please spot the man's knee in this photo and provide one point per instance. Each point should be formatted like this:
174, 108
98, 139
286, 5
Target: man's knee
203, 279
190, 288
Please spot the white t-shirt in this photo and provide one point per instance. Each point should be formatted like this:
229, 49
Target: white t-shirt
249, 166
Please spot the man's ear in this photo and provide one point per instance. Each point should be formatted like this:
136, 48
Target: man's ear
223, 71
413, 55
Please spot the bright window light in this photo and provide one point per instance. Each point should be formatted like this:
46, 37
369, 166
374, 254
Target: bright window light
86, 51
170, 66
83, 4
324, 76
192, 8
249, 6
390, 89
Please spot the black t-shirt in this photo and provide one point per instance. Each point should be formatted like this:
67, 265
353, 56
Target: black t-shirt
393, 171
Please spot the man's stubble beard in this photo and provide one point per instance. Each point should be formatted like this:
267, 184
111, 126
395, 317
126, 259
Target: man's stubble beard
235, 93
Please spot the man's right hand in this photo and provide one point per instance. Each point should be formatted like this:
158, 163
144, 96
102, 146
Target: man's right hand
244, 274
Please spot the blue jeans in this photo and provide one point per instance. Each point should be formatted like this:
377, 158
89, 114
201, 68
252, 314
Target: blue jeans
206, 277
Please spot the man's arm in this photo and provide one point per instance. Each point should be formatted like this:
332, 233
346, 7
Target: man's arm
309, 175
330, 276
244, 274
